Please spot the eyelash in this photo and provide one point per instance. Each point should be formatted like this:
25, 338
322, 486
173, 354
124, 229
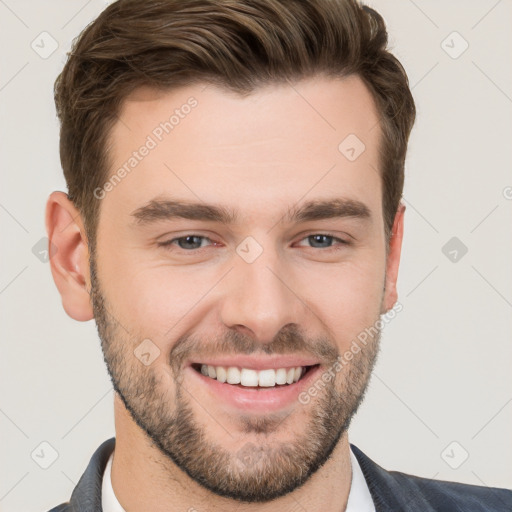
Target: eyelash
342, 242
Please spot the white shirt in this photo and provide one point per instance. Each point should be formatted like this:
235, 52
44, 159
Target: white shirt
359, 498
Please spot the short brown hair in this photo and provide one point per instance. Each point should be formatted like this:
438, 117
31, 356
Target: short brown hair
238, 45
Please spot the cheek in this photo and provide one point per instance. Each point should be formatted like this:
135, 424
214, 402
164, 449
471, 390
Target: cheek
347, 298
155, 300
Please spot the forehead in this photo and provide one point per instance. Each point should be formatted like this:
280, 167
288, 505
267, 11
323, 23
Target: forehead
283, 142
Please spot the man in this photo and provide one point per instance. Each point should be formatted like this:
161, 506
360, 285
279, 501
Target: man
233, 224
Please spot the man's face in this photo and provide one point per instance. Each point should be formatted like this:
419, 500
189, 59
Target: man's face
177, 288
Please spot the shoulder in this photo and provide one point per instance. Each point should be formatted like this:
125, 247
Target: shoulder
63, 507
393, 490
448, 496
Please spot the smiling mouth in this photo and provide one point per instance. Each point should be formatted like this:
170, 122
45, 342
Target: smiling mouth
246, 377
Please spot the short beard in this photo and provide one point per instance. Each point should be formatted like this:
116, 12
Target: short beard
258, 471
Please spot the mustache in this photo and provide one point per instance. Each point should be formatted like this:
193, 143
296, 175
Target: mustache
289, 340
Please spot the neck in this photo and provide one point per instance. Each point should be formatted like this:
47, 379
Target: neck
145, 479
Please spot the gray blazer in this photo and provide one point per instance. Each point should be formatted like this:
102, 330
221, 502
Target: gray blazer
391, 491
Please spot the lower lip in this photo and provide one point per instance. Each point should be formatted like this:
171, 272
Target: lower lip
256, 399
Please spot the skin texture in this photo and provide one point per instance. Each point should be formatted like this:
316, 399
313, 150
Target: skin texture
177, 445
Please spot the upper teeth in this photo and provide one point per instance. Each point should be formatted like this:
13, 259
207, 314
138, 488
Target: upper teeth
248, 377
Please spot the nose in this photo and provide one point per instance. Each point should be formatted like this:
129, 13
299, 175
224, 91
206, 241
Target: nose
261, 297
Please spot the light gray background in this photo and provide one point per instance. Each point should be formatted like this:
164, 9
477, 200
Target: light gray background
444, 369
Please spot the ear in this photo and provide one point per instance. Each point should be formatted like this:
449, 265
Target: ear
393, 260
69, 256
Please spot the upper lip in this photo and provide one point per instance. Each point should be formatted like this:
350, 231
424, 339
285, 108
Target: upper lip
258, 363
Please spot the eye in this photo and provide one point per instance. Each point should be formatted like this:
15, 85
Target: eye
192, 242
188, 242
324, 241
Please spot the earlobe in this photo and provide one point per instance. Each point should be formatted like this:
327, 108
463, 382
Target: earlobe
69, 253
393, 260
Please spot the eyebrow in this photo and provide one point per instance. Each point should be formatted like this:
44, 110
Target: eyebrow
168, 209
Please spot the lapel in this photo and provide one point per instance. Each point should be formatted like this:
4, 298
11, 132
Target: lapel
391, 491
86, 496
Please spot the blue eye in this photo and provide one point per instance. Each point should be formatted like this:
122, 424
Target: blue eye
318, 240
191, 242
324, 241
188, 242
